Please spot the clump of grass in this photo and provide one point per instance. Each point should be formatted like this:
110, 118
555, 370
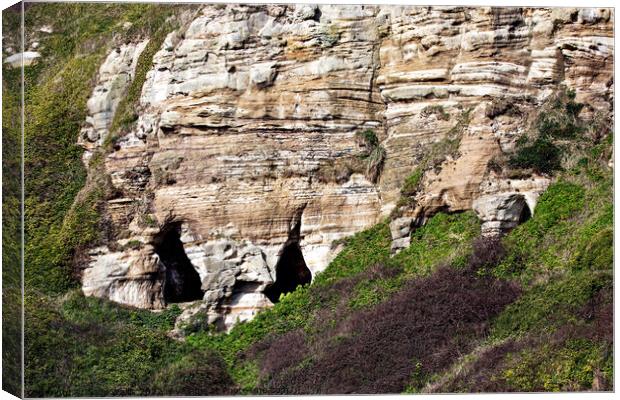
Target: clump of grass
412, 183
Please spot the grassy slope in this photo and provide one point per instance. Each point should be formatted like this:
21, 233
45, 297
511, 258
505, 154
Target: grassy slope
78, 346
11, 243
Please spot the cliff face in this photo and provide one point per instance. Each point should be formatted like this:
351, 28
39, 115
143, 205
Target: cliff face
244, 157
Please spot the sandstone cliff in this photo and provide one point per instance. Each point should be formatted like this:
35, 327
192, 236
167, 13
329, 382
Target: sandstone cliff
243, 153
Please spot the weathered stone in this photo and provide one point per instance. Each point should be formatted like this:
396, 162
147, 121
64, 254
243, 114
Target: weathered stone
115, 75
26, 58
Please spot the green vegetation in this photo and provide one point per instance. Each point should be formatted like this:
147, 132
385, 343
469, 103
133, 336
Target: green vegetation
542, 155
557, 120
571, 366
412, 182
547, 306
80, 346
11, 217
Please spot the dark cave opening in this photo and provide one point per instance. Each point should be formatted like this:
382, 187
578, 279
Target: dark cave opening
291, 271
525, 213
182, 282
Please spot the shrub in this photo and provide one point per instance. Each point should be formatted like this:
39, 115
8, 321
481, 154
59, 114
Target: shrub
558, 119
416, 333
487, 253
543, 156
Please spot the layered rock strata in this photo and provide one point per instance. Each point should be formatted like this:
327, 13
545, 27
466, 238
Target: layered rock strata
245, 109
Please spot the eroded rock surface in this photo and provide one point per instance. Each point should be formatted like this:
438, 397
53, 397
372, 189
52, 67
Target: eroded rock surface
245, 108
115, 75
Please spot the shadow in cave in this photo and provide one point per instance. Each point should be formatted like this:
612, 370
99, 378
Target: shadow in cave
291, 271
525, 213
182, 282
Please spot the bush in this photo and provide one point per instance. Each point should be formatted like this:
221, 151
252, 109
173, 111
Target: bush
417, 332
558, 119
543, 156
487, 253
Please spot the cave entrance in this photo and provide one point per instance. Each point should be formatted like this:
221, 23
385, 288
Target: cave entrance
525, 213
291, 271
182, 283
